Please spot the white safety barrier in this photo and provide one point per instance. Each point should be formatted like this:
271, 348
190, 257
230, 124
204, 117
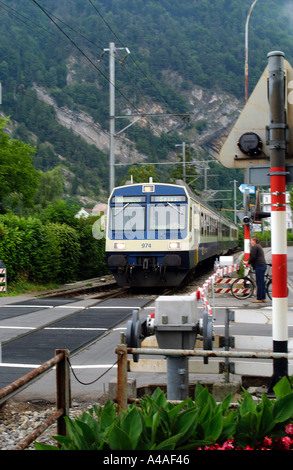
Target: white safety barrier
201, 291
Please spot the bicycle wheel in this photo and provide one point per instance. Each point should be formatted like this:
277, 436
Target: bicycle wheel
269, 289
242, 288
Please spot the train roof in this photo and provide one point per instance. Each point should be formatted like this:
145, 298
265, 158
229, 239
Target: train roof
178, 183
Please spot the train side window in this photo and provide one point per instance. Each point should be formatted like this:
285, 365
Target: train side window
196, 221
190, 219
208, 225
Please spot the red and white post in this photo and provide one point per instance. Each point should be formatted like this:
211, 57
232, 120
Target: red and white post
277, 142
246, 242
246, 226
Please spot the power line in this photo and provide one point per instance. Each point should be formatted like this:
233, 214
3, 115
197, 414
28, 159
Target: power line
131, 57
81, 51
14, 13
85, 55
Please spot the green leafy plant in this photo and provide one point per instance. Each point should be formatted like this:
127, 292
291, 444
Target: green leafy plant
268, 417
156, 424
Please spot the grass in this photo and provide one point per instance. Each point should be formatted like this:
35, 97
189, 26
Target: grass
26, 287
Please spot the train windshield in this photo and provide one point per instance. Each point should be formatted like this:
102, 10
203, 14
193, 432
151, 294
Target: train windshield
128, 217
168, 216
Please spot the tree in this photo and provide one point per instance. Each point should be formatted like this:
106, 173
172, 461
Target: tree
60, 212
18, 178
50, 188
142, 174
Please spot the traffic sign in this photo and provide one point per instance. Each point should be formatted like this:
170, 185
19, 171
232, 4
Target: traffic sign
247, 144
251, 189
259, 175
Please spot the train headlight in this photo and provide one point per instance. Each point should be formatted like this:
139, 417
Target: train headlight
174, 245
148, 188
119, 246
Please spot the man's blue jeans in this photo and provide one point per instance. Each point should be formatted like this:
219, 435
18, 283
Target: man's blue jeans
260, 281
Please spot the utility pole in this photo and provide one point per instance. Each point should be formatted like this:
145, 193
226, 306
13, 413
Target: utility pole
112, 55
235, 201
183, 159
112, 52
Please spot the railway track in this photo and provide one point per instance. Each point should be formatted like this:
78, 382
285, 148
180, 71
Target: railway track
106, 287
89, 288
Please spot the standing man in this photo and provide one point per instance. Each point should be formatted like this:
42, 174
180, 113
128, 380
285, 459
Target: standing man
258, 262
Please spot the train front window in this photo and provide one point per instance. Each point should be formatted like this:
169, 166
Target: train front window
130, 217
168, 216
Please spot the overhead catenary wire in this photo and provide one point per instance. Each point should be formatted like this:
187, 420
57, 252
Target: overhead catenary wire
131, 57
92, 63
49, 15
15, 13
24, 19
19, 17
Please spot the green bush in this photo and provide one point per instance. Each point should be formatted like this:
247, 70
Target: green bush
10, 247
92, 260
156, 424
26, 249
67, 240
37, 251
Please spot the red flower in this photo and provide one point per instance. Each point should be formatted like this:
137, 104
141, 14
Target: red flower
267, 442
228, 445
283, 443
289, 429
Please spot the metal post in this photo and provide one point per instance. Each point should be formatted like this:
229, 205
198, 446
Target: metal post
246, 227
121, 351
246, 50
63, 390
235, 201
227, 345
112, 55
112, 51
177, 378
183, 160
277, 143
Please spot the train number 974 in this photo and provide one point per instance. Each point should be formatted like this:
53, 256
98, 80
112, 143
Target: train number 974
146, 245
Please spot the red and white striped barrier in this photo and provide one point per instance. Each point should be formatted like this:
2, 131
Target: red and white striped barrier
223, 289
3, 288
201, 291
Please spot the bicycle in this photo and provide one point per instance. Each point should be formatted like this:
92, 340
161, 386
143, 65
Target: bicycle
244, 287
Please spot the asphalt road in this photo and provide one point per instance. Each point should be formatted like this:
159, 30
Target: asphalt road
94, 367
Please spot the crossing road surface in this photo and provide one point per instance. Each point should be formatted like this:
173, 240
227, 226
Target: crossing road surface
94, 366
66, 324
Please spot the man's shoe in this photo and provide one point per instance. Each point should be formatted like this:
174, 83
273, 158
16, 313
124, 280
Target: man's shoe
263, 300
256, 301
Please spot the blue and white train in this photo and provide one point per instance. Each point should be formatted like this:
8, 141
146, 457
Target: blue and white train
158, 233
